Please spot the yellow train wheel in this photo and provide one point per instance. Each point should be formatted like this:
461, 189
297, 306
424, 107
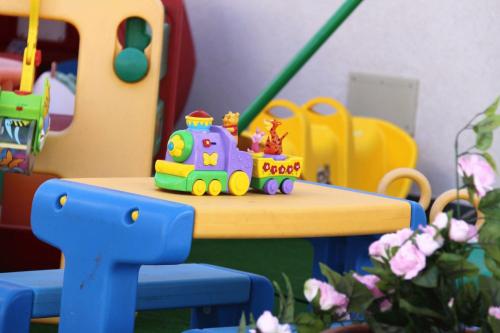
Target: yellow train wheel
239, 183
199, 187
215, 187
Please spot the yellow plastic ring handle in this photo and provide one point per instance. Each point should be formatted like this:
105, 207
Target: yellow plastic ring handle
448, 197
282, 103
417, 176
339, 108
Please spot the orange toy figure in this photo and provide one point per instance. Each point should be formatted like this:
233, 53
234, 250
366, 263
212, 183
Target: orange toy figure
274, 142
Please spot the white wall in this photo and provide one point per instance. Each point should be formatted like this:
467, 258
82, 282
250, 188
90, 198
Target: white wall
451, 46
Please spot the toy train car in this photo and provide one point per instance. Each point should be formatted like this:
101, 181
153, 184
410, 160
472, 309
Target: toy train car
205, 159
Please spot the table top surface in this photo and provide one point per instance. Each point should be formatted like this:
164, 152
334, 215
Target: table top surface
311, 210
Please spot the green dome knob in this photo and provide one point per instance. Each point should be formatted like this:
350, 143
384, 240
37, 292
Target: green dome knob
131, 65
180, 145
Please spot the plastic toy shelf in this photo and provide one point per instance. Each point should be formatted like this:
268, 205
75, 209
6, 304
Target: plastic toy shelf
312, 210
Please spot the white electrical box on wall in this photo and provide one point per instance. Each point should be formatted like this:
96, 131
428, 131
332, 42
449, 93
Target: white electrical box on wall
390, 98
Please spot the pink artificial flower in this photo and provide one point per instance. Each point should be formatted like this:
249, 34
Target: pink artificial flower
341, 302
403, 235
427, 243
370, 282
385, 305
461, 231
408, 261
267, 323
441, 221
494, 311
328, 296
378, 249
311, 288
472, 234
480, 170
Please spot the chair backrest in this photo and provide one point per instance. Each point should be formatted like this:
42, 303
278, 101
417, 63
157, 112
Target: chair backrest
106, 236
112, 132
330, 142
380, 147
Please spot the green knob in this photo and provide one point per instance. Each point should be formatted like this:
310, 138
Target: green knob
131, 65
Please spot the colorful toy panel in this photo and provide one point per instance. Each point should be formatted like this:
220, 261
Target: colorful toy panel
205, 158
24, 119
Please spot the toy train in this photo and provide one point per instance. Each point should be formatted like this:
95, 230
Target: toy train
204, 158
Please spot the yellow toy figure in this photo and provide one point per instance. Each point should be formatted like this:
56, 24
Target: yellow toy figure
230, 122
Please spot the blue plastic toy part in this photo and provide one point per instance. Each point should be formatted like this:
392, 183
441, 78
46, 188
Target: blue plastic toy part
15, 308
195, 286
214, 330
105, 236
260, 299
418, 217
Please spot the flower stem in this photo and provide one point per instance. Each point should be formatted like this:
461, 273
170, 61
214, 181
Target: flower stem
457, 138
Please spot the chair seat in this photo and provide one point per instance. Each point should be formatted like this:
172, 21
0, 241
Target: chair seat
160, 287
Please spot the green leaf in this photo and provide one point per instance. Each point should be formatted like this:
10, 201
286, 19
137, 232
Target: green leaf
468, 304
429, 279
490, 290
490, 204
490, 160
281, 297
471, 190
493, 266
360, 297
484, 140
454, 265
490, 111
253, 323
309, 323
333, 277
488, 124
242, 328
379, 269
489, 238
289, 311
494, 324
419, 310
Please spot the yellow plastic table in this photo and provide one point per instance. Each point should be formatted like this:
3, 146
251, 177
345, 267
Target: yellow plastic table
329, 215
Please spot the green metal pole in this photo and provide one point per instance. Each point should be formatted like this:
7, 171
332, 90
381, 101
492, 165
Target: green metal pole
297, 62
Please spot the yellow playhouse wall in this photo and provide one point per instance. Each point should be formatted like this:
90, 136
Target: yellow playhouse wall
112, 132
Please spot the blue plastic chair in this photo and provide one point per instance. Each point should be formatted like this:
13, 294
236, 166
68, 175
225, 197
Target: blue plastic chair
106, 236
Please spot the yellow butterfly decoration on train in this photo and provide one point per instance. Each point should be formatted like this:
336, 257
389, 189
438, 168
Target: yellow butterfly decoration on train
210, 159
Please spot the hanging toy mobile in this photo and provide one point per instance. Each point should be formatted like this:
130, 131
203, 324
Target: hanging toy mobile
24, 117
